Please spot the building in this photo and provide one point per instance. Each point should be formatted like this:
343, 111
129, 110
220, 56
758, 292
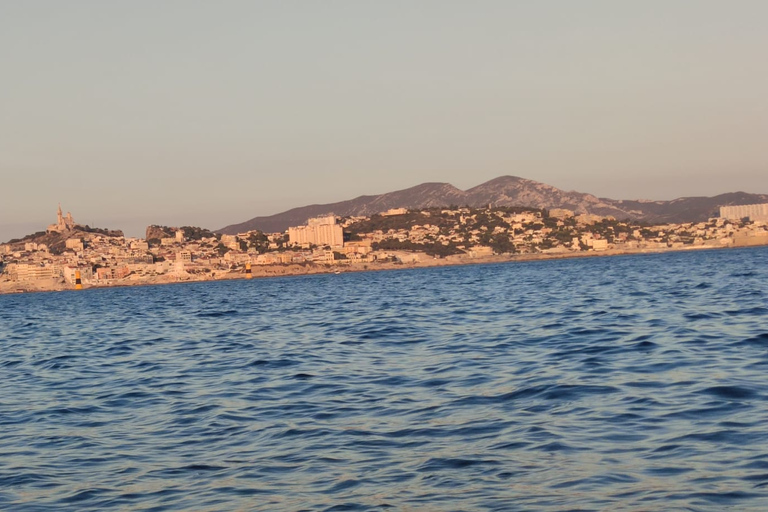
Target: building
751, 211
75, 244
112, 272
561, 213
480, 251
236, 257
274, 258
361, 248
320, 231
144, 259
29, 272
139, 245
69, 273
62, 223
394, 211
230, 242
587, 218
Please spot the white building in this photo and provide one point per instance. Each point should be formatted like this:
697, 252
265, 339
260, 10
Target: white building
751, 211
319, 231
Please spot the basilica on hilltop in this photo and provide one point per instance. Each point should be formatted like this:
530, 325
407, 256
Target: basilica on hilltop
62, 223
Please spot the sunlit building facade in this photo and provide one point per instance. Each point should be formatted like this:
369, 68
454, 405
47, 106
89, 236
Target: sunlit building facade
751, 211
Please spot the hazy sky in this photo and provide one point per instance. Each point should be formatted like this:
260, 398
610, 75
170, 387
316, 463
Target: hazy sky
212, 112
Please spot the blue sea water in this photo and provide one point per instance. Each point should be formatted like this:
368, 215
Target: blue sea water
622, 383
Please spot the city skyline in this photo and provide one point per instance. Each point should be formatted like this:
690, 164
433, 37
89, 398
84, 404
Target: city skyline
69, 256
131, 113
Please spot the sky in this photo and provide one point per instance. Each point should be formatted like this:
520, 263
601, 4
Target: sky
208, 113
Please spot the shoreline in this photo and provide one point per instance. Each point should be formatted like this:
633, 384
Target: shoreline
271, 271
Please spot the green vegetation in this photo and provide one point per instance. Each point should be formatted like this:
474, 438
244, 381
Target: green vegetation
441, 231
195, 233
28, 237
222, 249
379, 222
431, 249
57, 248
99, 231
444, 231
258, 241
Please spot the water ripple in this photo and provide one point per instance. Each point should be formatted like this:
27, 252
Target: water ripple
627, 383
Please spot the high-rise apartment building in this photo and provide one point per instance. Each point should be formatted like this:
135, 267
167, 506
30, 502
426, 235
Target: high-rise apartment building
320, 231
752, 211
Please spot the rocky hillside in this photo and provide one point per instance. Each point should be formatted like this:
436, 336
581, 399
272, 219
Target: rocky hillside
156, 232
420, 196
513, 191
56, 242
506, 191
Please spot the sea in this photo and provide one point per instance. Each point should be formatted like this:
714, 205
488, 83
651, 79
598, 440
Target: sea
612, 383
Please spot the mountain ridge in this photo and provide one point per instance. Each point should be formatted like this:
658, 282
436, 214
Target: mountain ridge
504, 191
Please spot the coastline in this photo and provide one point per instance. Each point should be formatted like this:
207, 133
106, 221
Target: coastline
266, 271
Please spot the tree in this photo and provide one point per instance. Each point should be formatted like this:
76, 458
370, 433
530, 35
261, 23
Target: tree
501, 244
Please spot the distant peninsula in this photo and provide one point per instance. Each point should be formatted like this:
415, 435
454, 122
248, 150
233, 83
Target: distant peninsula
68, 255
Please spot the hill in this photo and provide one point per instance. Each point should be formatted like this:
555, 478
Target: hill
505, 191
56, 241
